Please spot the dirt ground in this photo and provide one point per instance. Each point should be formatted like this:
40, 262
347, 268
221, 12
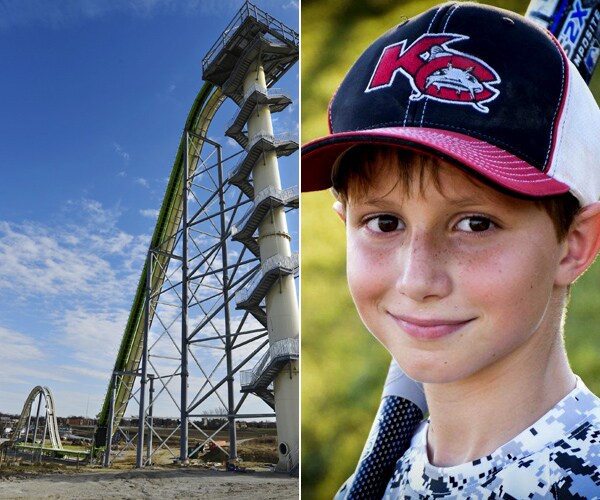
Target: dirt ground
204, 477
158, 482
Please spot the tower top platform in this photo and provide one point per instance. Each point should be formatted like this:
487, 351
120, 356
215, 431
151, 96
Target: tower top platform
251, 33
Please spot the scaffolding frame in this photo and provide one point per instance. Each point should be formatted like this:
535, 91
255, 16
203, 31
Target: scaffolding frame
202, 281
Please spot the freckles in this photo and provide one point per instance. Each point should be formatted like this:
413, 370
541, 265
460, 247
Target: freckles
484, 267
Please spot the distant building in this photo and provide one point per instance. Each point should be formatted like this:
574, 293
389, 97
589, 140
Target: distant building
80, 421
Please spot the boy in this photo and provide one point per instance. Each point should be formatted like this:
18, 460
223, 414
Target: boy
464, 155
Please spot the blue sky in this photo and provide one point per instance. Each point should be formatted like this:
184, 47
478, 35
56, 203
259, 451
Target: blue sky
93, 97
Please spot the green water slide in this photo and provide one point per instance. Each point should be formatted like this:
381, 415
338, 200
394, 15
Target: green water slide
129, 356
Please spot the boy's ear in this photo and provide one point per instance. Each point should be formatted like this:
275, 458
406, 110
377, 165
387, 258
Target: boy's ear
582, 244
340, 210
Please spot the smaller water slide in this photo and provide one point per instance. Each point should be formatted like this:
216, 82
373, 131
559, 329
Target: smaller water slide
207, 102
23, 425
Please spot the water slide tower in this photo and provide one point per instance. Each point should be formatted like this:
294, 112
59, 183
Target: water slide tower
249, 57
204, 260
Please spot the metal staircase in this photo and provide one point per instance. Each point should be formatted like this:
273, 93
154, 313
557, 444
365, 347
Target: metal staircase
256, 96
270, 271
282, 144
259, 380
264, 201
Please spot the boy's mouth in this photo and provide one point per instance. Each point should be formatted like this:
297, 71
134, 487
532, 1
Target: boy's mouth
428, 328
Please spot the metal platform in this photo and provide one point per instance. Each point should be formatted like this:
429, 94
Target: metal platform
251, 33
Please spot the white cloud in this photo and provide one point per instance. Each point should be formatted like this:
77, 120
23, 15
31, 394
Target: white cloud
88, 258
22, 347
34, 261
69, 286
24, 362
95, 214
142, 182
121, 152
93, 336
151, 213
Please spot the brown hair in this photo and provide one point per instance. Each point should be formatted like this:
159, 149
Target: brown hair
354, 172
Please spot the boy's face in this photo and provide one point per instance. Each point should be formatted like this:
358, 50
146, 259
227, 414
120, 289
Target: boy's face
454, 283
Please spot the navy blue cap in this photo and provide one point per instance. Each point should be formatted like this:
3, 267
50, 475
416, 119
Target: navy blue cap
471, 84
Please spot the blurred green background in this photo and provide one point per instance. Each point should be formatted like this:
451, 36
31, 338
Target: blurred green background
343, 367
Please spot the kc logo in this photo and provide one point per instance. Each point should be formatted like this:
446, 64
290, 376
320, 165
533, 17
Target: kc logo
437, 72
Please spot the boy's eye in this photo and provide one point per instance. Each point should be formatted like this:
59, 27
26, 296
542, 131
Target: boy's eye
384, 223
474, 224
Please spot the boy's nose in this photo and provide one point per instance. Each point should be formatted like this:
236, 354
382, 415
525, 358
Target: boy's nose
422, 265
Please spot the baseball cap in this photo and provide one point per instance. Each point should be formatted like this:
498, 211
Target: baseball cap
474, 85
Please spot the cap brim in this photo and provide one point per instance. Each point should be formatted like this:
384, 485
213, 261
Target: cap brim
498, 166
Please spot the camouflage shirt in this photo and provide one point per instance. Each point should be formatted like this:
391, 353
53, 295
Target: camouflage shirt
557, 457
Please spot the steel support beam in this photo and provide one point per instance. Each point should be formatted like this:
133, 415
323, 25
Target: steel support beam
183, 443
